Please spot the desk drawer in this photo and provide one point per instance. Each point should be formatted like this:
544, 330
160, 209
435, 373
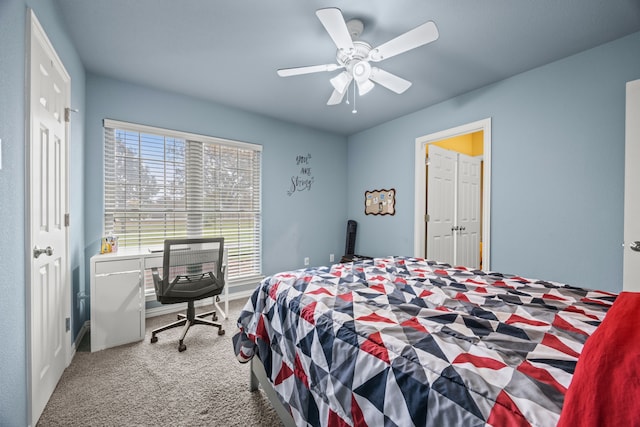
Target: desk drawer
117, 266
153, 261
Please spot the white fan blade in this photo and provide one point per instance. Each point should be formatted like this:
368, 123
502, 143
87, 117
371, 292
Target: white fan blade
341, 82
336, 97
388, 80
335, 25
364, 86
425, 33
286, 72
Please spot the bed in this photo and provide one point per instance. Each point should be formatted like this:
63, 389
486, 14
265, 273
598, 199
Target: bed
403, 341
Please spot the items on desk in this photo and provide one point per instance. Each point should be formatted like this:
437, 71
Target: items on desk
109, 244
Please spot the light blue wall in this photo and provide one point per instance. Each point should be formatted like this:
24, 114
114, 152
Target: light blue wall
557, 162
305, 224
13, 352
13, 373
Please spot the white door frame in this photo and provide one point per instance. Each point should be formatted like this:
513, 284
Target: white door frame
419, 227
631, 232
35, 30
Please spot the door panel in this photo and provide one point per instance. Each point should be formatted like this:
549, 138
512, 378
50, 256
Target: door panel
468, 212
49, 88
441, 204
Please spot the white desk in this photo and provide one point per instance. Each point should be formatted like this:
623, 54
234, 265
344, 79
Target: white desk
118, 298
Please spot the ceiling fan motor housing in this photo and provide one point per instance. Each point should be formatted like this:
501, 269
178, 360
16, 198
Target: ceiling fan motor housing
357, 55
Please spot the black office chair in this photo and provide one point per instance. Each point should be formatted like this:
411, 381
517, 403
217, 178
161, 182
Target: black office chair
192, 269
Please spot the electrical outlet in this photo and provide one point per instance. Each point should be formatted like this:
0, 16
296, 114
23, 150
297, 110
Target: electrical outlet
331, 258
306, 260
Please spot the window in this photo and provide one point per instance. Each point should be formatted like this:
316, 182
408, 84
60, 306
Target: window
166, 184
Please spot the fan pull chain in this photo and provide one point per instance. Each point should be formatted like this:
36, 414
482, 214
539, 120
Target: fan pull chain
354, 111
347, 101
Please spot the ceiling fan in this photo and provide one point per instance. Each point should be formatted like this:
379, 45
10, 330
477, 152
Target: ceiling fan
355, 56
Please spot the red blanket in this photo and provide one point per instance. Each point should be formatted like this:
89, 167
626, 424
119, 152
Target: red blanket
605, 389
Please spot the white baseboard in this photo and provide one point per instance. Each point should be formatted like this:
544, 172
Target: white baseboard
83, 330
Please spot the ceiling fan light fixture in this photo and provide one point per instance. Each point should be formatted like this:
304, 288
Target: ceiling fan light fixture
364, 86
361, 71
341, 82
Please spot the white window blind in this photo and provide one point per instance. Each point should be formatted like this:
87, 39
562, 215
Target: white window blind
162, 184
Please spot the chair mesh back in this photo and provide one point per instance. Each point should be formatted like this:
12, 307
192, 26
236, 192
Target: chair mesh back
192, 269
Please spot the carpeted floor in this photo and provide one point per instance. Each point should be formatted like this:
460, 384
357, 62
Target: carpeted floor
144, 384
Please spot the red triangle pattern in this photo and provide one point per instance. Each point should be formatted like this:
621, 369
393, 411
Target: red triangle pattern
415, 324
514, 318
541, 375
461, 297
506, 413
346, 296
321, 290
554, 297
379, 287
307, 313
335, 420
273, 291
299, 372
574, 309
375, 347
479, 361
560, 323
356, 413
375, 317
261, 331
285, 372
555, 343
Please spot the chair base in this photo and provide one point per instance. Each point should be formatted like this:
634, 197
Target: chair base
186, 321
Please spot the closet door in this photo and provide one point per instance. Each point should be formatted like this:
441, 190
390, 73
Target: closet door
453, 208
468, 212
441, 202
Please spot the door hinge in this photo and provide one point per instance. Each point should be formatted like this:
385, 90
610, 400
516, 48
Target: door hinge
426, 218
67, 113
66, 220
67, 324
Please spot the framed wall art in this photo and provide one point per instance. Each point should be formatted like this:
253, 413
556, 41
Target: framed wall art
380, 202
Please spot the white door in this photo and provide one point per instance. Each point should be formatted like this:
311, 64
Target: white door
631, 271
441, 203
468, 212
49, 89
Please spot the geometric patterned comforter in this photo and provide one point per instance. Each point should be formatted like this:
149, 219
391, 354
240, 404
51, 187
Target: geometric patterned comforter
402, 341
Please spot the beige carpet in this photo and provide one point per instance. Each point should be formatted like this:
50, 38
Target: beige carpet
144, 384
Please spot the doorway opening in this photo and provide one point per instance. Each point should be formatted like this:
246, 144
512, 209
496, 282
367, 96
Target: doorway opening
456, 235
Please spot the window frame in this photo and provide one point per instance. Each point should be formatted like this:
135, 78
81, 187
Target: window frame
235, 277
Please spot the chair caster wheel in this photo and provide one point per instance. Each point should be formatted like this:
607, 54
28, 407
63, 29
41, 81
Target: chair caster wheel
220, 331
182, 347
154, 339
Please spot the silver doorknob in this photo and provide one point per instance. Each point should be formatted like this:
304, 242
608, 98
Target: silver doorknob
635, 246
37, 251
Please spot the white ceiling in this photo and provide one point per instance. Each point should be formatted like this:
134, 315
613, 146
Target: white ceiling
228, 51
